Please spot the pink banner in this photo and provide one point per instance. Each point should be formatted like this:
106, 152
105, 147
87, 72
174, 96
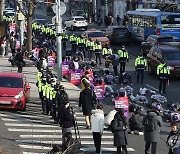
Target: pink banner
65, 68
51, 61
122, 102
75, 77
99, 91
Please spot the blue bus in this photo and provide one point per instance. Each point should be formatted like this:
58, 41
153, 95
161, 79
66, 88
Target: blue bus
144, 22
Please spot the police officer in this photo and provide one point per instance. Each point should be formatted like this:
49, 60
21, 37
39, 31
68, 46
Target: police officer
73, 43
106, 52
98, 51
140, 66
89, 45
61, 97
52, 99
80, 44
64, 40
163, 73
123, 58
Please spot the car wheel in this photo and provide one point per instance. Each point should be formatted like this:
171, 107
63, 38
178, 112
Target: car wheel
72, 28
85, 28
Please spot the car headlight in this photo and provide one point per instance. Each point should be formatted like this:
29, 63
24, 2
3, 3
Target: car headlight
170, 67
18, 96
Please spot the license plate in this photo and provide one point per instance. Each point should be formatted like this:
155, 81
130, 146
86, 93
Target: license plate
5, 102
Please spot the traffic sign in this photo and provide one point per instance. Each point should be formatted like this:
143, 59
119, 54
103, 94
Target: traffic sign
62, 9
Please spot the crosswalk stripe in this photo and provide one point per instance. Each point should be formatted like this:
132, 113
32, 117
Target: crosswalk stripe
29, 125
32, 153
48, 131
60, 142
34, 147
24, 120
24, 115
106, 149
104, 136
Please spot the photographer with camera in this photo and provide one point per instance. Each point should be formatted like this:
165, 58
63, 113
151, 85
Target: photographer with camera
66, 120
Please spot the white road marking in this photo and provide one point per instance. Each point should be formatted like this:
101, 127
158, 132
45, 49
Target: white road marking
105, 149
104, 136
35, 147
25, 116
29, 125
24, 120
49, 131
32, 153
110, 142
151, 87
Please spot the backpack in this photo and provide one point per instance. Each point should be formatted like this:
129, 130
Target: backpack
112, 126
150, 123
134, 119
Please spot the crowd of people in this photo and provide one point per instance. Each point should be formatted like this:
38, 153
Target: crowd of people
55, 101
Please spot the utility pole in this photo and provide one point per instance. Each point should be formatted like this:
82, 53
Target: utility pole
95, 10
21, 24
58, 32
1, 9
106, 7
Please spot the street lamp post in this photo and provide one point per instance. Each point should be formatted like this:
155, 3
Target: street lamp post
58, 32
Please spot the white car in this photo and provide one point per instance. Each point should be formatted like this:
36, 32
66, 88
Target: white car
76, 22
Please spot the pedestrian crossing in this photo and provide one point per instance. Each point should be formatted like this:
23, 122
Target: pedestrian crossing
37, 132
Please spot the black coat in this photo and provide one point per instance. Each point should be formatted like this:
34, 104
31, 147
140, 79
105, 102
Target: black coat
120, 135
66, 118
87, 100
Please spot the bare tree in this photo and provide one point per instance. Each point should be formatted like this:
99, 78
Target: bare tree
1, 9
28, 15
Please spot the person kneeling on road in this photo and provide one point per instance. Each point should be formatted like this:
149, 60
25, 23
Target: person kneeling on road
135, 122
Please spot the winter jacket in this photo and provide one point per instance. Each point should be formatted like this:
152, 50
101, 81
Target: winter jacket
153, 136
87, 100
66, 118
120, 135
173, 141
135, 122
97, 120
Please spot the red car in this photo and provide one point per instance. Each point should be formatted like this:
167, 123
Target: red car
14, 91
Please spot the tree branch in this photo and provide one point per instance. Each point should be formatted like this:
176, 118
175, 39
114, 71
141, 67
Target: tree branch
33, 8
21, 9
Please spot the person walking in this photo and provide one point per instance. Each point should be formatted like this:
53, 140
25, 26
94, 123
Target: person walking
20, 61
123, 58
12, 42
115, 62
173, 140
87, 100
3, 46
163, 73
152, 121
120, 131
97, 126
140, 66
